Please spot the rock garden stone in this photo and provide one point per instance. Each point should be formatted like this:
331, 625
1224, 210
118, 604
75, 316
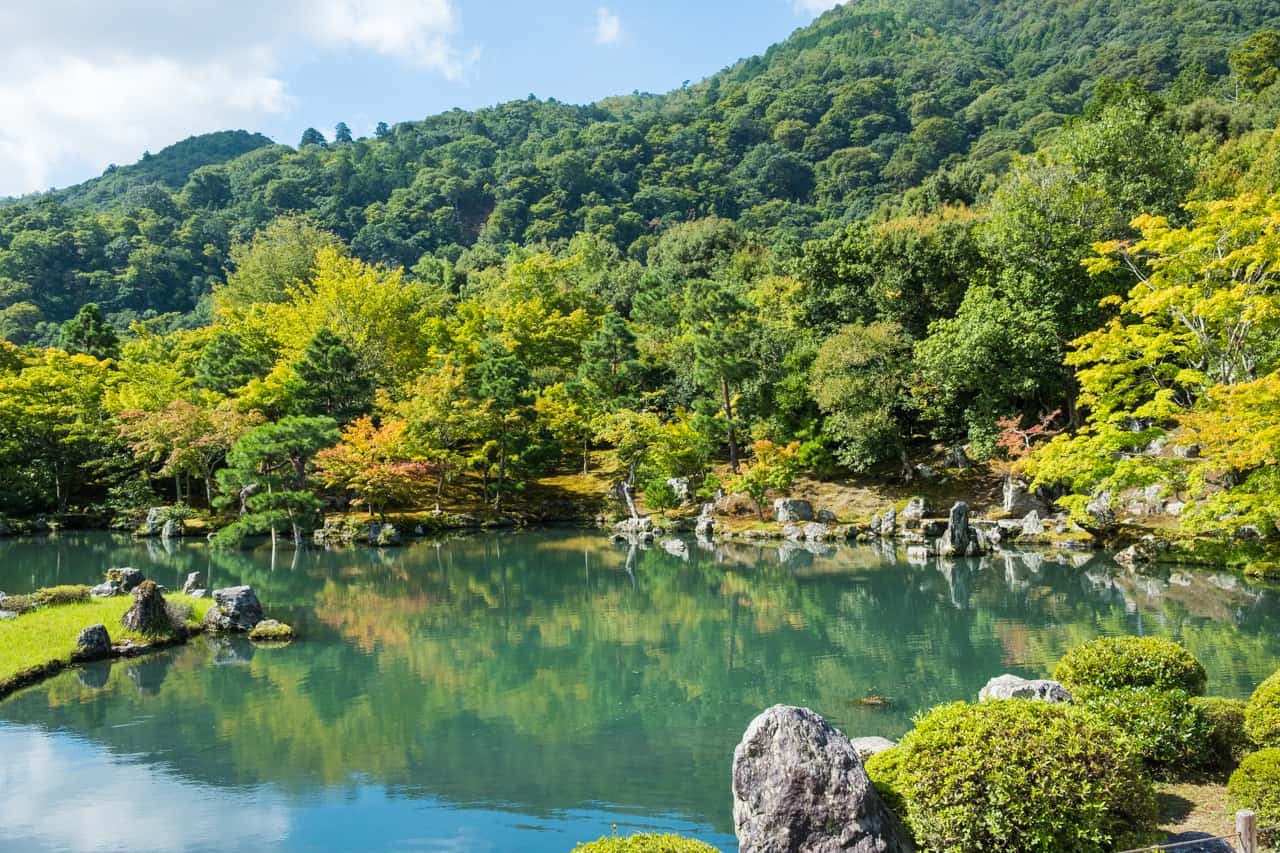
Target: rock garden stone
960, 539
1015, 687
94, 643
106, 589
234, 609
791, 510
916, 509
799, 787
191, 584
826, 516
869, 746
1032, 525
148, 614
816, 532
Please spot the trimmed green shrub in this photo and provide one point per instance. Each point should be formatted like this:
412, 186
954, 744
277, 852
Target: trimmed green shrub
645, 843
1109, 663
1262, 714
885, 770
52, 596
1228, 742
1018, 775
1160, 726
1256, 785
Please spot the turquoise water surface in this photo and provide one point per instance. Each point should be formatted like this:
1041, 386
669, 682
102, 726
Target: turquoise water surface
527, 691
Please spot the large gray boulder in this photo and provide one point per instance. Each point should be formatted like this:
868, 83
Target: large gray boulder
885, 526
235, 608
191, 584
172, 529
799, 787
791, 510
916, 509
94, 643
1015, 687
1018, 500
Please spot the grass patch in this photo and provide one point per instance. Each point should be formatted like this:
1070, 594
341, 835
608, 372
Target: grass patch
46, 636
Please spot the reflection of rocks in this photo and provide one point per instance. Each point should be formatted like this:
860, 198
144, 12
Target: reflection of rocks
799, 786
1014, 687
94, 675
231, 651
150, 672
676, 548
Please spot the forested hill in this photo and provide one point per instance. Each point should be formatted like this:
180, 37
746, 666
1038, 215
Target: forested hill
843, 118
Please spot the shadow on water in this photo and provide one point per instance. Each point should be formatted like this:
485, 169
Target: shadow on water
541, 686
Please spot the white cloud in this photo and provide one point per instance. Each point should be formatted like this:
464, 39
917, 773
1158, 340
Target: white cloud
608, 28
64, 793
814, 8
415, 31
87, 84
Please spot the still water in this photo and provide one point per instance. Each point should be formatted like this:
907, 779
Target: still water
527, 691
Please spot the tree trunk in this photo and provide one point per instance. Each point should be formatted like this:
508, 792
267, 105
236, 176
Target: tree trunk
502, 474
733, 433
586, 458
440, 487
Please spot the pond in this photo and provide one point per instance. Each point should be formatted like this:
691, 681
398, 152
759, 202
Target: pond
527, 691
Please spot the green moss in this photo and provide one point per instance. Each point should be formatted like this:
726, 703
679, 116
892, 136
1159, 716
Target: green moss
47, 636
1109, 663
645, 843
1256, 785
1017, 775
1262, 714
271, 631
1227, 742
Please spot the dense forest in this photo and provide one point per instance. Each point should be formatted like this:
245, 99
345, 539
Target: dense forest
1043, 232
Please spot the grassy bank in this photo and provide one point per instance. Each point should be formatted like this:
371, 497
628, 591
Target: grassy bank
43, 641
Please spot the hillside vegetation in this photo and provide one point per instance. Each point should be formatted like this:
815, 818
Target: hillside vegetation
1038, 231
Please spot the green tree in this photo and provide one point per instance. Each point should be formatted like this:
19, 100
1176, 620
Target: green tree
271, 464
89, 333
1256, 61
859, 382
330, 380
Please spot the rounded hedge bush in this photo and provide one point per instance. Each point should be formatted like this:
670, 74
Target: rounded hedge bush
1262, 714
1109, 663
1228, 742
645, 843
1018, 775
1256, 785
1160, 726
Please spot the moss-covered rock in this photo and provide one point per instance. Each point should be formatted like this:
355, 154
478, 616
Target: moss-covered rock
271, 631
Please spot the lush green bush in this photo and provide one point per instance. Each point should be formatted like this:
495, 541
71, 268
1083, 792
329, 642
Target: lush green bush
645, 844
1228, 742
47, 597
1019, 775
1160, 726
1262, 714
1109, 663
885, 770
1256, 785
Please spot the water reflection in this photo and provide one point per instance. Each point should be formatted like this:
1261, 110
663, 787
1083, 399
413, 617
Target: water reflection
540, 686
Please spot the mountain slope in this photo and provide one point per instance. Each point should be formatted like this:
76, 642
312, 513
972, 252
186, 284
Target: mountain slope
845, 116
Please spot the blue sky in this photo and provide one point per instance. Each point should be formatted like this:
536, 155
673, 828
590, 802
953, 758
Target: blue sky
86, 83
